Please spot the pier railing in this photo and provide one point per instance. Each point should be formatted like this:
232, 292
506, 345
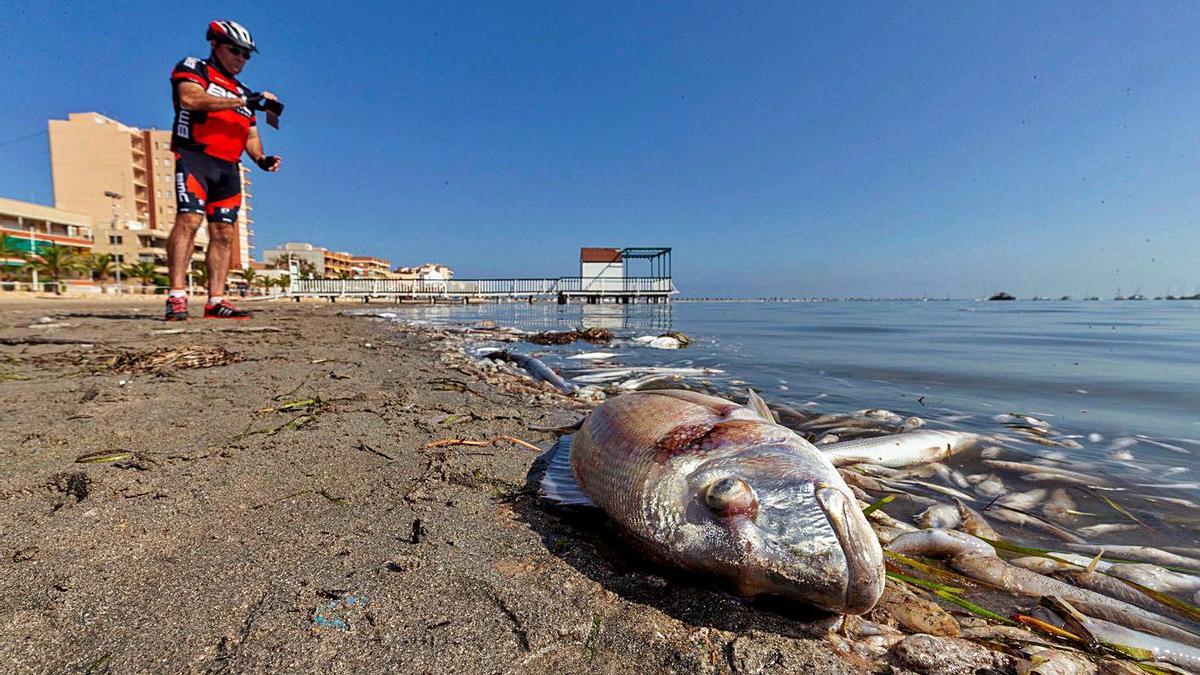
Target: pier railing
569, 286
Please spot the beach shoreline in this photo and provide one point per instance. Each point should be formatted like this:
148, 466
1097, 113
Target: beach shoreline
280, 510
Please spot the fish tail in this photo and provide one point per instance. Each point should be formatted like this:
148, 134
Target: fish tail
558, 483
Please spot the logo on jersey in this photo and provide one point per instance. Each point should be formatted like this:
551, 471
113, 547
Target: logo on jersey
215, 89
183, 128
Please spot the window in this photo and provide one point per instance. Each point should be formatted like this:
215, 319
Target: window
116, 239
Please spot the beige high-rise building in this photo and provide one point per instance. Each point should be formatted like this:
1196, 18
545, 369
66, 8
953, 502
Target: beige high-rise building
93, 157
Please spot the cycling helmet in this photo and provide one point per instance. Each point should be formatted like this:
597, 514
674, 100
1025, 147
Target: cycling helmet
232, 32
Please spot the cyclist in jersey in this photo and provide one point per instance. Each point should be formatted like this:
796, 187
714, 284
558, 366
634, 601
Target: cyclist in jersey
214, 125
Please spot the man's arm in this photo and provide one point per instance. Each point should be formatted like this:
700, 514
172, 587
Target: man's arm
193, 97
254, 148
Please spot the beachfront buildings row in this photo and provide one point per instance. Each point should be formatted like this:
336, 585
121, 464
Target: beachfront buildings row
122, 178
320, 262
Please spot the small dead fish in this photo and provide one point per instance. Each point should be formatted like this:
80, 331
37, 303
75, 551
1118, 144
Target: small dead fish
1146, 554
536, 369
1021, 519
1023, 501
991, 452
973, 523
1104, 528
881, 415
1022, 420
1166, 446
990, 487
1177, 501
942, 516
903, 449
1060, 508
1062, 474
940, 489
951, 476
915, 613
1170, 486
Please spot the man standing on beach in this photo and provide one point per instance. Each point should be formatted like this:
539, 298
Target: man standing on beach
214, 125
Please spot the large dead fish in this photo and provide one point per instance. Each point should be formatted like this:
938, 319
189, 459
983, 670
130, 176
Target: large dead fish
712, 486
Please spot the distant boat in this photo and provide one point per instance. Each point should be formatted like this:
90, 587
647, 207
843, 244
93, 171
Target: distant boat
1092, 297
1003, 296
1065, 297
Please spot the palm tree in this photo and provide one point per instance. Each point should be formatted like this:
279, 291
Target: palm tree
144, 271
56, 261
306, 268
200, 274
101, 266
345, 274
9, 254
249, 275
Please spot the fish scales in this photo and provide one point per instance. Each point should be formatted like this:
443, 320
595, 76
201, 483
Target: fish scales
628, 443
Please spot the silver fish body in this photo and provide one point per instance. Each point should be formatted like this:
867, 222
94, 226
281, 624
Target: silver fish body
710, 486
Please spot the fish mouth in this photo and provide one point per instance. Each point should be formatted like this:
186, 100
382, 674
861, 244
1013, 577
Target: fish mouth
864, 557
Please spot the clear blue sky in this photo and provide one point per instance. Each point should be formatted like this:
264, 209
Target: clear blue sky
782, 149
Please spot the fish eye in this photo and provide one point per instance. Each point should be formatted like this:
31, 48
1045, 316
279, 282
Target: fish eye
731, 496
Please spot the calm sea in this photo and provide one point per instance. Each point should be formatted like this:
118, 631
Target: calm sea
1117, 383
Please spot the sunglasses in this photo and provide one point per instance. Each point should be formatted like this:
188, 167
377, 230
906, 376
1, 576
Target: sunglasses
238, 51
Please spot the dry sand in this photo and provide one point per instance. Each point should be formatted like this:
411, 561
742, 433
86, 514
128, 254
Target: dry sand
239, 537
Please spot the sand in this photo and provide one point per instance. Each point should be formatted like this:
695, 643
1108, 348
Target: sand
237, 533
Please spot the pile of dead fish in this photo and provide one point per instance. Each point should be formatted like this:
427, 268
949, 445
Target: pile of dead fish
1021, 568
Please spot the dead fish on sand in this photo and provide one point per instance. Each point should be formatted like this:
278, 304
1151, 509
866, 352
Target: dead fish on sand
898, 450
711, 486
536, 369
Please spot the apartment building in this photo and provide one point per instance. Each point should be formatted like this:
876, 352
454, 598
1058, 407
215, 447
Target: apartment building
428, 271
370, 266
338, 263
122, 177
328, 264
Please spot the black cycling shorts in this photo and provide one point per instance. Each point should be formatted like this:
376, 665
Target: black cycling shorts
205, 184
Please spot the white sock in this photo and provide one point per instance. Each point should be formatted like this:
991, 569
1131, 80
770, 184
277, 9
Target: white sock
215, 299
177, 294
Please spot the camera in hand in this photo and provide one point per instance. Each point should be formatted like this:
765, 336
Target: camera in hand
257, 102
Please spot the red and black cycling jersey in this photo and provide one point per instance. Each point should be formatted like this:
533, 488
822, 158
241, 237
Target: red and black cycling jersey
221, 133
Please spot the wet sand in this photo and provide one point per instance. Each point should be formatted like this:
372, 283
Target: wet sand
235, 532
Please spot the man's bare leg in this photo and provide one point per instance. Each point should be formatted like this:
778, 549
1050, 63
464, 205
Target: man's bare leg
180, 245
220, 250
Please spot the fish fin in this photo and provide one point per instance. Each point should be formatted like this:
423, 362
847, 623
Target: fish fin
558, 483
758, 405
